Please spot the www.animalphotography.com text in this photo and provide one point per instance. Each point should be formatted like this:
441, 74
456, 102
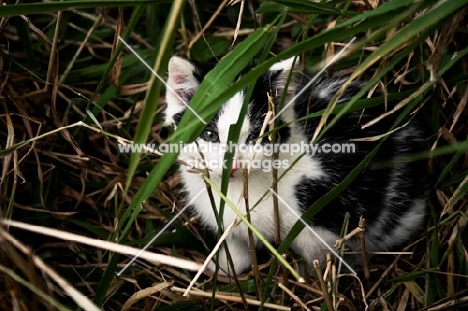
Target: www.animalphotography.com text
252, 155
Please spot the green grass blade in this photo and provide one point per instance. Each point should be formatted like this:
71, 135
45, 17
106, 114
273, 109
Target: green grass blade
298, 6
53, 7
152, 97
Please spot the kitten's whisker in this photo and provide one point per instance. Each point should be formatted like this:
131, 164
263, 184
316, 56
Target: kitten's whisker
191, 167
195, 171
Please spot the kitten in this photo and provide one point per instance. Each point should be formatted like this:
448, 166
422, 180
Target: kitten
391, 199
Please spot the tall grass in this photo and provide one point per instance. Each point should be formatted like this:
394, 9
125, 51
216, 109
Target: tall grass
70, 92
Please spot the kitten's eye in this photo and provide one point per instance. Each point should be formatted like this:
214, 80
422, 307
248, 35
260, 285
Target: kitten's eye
210, 135
252, 138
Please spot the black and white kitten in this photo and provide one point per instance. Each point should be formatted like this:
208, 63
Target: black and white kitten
391, 199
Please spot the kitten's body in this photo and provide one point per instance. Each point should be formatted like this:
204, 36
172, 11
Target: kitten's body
391, 199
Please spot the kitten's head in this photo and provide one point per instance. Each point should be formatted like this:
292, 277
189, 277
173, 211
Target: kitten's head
185, 76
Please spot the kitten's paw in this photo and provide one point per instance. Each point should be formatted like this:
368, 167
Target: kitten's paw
240, 256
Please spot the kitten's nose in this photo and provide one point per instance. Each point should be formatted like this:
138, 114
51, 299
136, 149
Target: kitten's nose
235, 166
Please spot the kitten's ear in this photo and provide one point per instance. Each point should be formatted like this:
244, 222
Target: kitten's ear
287, 64
181, 84
287, 67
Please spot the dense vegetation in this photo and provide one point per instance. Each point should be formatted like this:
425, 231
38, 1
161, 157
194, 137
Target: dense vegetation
71, 92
